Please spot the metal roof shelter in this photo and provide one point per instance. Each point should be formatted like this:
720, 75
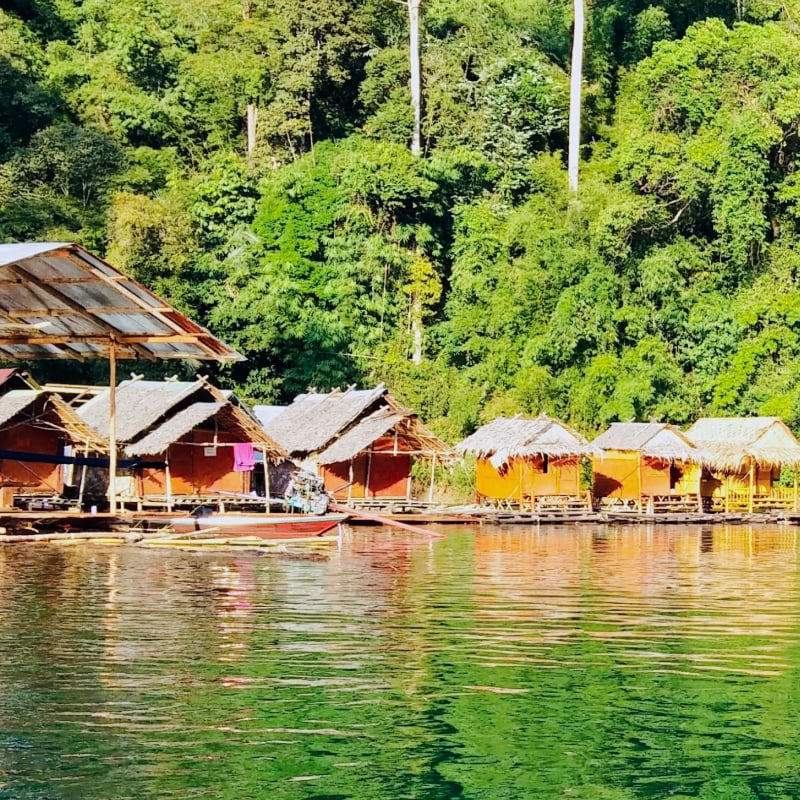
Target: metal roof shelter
58, 300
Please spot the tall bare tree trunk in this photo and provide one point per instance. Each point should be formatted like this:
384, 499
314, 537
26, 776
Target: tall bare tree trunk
252, 121
416, 328
575, 80
416, 74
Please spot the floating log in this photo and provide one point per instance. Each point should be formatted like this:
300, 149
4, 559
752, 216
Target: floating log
382, 520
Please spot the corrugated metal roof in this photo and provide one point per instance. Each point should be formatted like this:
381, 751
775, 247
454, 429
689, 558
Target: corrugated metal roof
265, 414
57, 300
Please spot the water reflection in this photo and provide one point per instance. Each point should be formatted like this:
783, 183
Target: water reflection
532, 662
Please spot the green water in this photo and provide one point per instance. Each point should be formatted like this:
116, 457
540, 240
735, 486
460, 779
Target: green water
588, 663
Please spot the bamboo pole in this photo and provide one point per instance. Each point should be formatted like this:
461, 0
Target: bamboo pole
266, 476
727, 493
112, 428
350, 484
794, 477
752, 485
369, 473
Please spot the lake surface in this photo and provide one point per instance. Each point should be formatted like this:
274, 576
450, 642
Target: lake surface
564, 662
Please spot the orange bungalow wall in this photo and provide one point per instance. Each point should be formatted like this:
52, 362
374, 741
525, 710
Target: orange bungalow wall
31, 477
380, 473
617, 475
523, 478
192, 472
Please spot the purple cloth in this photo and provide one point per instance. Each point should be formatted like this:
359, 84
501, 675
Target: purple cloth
244, 457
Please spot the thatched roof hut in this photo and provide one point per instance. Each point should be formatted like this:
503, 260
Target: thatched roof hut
733, 441
518, 437
313, 421
44, 409
656, 440
231, 419
362, 442
416, 437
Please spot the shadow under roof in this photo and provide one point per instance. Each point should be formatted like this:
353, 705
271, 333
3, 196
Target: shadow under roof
57, 300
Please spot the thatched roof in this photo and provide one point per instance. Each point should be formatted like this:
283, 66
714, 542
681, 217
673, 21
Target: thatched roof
415, 437
732, 441
313, 420
15, 402
75, 430
140, 404
228, 418
652, 439
177, 426
518, 437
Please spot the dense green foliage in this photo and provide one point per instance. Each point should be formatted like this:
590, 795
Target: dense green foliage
468, 279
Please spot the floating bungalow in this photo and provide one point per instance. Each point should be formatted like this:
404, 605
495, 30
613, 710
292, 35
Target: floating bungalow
361, 442
185, 443
527, 462
37, 428
646, 466
746, 455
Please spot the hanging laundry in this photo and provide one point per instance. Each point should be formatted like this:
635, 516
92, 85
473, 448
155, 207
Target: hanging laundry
244, 457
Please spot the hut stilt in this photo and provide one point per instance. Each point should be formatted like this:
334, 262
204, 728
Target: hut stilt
266, 477
112, 427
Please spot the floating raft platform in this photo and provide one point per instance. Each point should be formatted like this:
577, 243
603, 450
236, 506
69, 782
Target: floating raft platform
62, 521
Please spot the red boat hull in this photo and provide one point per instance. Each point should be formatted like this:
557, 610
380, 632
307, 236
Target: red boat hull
264, 526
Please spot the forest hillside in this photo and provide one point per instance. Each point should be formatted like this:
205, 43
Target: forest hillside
250, 160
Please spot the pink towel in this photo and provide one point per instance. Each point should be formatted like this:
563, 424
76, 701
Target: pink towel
244, 458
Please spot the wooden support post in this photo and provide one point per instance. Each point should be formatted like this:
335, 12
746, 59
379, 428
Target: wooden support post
369, 472
82, 485
752, 485
727, 493
639, 478
700, 489
266, 476
350, 482
433, 478
112, 427
794, 477
168, 481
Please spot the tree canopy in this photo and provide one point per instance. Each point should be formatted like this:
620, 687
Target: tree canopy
468, 278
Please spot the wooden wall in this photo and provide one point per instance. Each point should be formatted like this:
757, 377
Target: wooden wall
192, 472
31, 477
375, 475
617, 475
524, 478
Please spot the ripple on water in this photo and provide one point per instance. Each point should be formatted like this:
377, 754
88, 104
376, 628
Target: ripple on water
521, 663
